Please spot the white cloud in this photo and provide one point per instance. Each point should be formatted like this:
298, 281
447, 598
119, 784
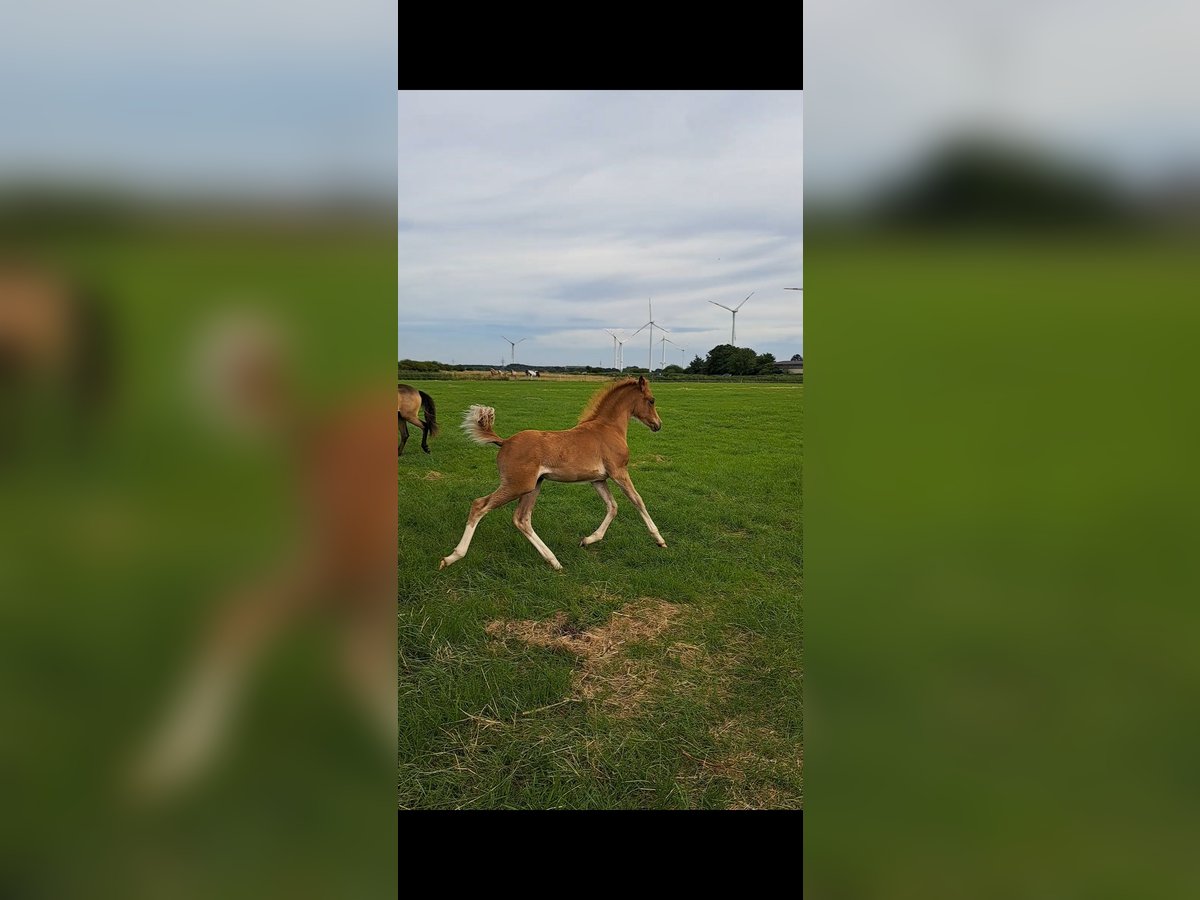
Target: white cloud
560, 214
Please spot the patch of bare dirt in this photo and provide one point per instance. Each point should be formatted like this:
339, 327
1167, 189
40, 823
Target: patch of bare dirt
605, 675
434, 476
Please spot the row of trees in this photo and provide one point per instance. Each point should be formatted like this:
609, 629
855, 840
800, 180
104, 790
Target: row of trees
726, 359
723, 359
425, 365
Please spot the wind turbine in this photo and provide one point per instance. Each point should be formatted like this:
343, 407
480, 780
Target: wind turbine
663, 359
514, 348
662, 354
652, 325
734, 310
682, 353
618, 346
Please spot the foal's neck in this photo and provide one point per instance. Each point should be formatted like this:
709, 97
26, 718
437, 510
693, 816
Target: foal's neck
619, 421
615, 412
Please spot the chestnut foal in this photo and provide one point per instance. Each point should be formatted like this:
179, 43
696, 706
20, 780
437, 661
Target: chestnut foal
594, 450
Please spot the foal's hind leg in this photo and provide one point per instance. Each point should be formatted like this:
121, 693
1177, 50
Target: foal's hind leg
480, 507
523, 519
626, 484
610, 507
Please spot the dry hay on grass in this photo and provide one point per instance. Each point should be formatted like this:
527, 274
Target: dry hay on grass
652, 457
431, 475
756, 765
605, 676
751, 761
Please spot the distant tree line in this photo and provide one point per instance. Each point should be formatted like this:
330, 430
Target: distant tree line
726, 359
427, 365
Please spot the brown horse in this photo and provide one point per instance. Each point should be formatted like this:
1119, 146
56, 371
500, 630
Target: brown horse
408, 403
594, 450
54, 345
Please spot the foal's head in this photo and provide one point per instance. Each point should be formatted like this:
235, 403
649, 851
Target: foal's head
643, 406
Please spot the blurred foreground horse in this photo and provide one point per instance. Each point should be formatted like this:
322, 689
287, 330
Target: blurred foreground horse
342, 568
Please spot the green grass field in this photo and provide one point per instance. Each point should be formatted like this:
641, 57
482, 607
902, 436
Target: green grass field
114, 552
639, 677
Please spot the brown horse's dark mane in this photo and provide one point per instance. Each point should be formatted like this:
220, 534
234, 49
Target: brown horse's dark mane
601, 397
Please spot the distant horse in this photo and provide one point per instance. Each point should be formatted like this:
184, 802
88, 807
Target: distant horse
55, 345
594, 450
409, 402
532, 373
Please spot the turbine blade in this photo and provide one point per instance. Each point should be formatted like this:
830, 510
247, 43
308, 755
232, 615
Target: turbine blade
722, 305
748, 296
640, 330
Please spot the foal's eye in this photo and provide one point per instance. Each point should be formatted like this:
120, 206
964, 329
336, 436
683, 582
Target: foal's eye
651, 401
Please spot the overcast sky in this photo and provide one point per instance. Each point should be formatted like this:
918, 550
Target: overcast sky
1105, 82
552, 216
275, 97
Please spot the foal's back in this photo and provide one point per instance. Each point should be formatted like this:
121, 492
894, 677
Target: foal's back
587, 452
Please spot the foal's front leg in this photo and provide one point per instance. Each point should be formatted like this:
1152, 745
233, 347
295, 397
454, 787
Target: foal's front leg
403, 434
626, 484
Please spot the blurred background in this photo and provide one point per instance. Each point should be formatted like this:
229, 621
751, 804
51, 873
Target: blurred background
197, 215
1001, 497
197, 259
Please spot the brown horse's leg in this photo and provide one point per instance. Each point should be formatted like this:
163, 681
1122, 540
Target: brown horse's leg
523, 519
425, 436
403, 433
417, 423
610, 506
623, 481
480, 507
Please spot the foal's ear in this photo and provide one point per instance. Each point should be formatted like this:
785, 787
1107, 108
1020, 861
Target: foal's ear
642, 383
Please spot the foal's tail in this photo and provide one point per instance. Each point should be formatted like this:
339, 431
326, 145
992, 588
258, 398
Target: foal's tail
478, 422
430, 413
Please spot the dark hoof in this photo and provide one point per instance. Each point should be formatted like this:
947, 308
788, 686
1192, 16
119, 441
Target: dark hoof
426, 449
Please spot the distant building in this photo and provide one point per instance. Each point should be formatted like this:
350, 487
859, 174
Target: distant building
793, 366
